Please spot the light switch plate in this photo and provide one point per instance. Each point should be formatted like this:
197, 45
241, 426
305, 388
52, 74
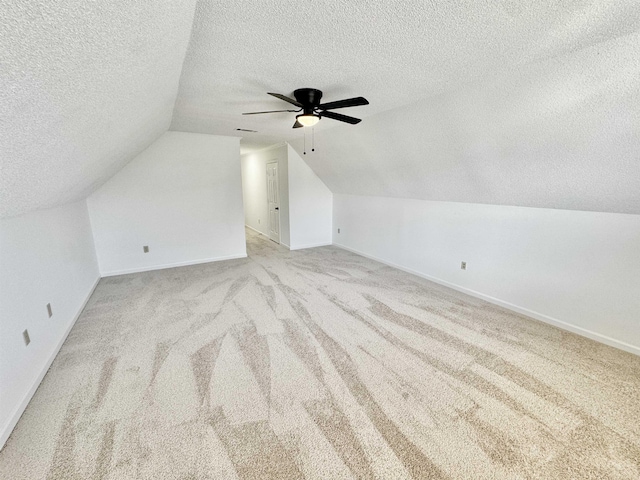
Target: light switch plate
145, 249
49, 311
25, 337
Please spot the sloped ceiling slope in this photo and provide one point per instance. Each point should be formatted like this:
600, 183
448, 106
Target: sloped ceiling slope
562, 133
392, 52
84, 87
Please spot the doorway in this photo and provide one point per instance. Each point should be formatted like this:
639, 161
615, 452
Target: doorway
273, 200
265, 192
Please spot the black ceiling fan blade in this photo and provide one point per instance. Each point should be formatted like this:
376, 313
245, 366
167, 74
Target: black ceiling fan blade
286, 99
349, 102
297, 125
340, 118
269, 111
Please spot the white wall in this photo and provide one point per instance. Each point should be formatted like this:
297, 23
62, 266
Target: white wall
310, 205
182, 197
283, 186
573, 268
46, 256
254, 189
254, 192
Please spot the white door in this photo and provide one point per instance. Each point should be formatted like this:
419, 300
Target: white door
274, 201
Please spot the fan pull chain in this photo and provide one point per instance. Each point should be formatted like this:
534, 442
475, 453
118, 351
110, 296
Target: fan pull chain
313, 138
304, 130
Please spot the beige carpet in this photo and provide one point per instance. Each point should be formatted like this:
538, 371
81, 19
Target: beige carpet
321, 364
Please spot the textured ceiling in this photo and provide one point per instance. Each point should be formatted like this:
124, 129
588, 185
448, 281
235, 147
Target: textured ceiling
391, 52
84, 87
501, 101
561, 133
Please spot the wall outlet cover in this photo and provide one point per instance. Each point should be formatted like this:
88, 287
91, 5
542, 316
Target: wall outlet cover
463, 265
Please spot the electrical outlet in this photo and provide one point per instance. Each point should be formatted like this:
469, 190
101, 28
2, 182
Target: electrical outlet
338, 230
25, 337
145, 249
463, 265
49, 311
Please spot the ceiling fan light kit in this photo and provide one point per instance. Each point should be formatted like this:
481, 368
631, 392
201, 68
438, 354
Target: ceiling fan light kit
308, 119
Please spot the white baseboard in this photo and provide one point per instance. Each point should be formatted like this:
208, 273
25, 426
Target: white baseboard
598, 337
172, 265
19, 410
255, 230
267, 237
310, 245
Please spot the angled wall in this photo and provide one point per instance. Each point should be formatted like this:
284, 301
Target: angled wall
86, 86
562, 133
310, 205
46, 257
181, 197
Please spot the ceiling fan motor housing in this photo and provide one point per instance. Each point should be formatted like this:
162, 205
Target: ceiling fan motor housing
309, 98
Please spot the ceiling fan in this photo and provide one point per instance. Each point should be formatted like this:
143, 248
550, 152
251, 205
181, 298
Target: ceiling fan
308, 102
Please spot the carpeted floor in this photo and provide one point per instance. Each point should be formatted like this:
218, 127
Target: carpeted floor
321, 364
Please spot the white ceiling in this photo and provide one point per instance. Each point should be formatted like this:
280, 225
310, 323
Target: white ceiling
87, 86
84, 87
391, 52
562, 133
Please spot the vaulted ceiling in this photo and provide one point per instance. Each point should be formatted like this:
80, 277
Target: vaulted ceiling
501, 101
560, 133
84, 88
